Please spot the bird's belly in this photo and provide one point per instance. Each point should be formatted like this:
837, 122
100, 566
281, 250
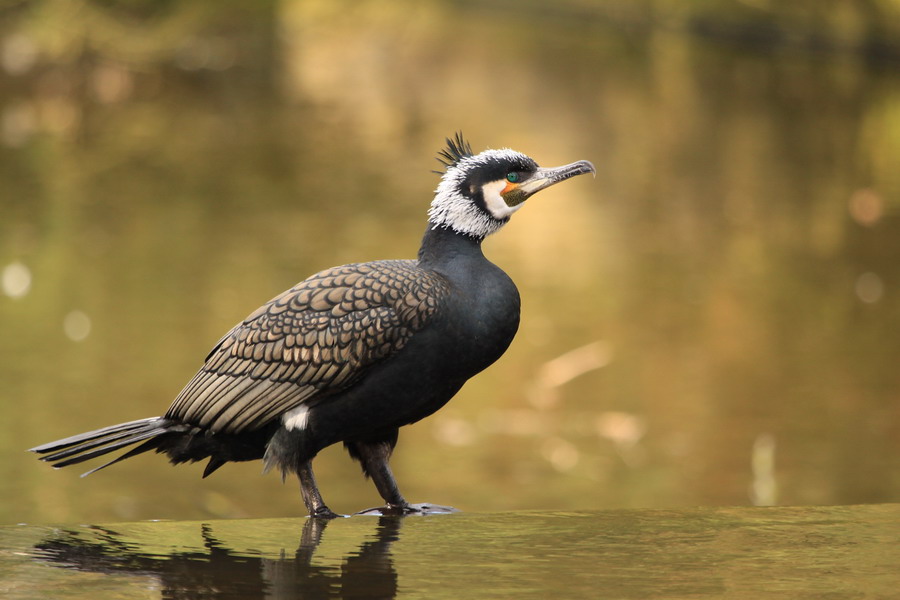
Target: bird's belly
411, 385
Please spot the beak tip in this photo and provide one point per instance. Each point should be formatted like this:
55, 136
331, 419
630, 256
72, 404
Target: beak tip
589, 168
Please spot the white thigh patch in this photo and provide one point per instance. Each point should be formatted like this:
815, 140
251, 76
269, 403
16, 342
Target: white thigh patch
296, 418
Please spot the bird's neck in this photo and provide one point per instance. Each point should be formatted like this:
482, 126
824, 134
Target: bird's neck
442, 246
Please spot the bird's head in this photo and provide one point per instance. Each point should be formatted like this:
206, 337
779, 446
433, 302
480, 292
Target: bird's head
478, 192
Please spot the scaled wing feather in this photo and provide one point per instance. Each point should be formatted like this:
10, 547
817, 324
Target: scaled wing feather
314, 339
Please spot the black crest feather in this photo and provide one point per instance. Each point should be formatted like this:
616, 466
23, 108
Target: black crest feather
457, 149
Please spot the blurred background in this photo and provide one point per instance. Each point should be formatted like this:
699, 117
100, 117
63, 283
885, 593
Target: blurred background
713, 320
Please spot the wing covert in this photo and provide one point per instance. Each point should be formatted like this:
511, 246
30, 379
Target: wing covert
312, 340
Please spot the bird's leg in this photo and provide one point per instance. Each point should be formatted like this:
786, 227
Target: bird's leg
373, 457
310, 492
384, 481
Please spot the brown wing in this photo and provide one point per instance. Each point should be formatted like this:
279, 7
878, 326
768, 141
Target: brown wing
316, 338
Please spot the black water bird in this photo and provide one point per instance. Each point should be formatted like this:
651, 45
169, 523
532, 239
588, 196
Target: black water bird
355, 352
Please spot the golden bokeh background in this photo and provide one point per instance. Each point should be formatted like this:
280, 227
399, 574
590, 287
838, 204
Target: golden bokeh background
713, 320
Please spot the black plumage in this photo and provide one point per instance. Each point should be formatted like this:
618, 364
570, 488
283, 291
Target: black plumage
355, 352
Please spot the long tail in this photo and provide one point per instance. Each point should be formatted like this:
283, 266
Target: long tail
85, 446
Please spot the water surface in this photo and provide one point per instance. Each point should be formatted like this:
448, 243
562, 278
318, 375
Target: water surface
797, 553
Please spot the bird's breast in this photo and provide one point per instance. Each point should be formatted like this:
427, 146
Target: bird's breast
479, 320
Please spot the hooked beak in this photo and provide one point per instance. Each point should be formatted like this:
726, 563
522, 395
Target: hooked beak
544, 178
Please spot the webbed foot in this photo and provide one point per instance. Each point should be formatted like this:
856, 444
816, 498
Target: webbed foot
400, 510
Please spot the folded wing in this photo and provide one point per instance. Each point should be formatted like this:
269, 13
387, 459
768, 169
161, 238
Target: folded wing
315, 339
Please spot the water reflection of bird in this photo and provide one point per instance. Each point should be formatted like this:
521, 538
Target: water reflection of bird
217, 571
355, 352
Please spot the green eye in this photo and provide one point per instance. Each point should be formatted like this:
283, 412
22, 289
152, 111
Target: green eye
512, 177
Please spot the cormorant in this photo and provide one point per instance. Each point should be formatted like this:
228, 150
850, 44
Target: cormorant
355, 352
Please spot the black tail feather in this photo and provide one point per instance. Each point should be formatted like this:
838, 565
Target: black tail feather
151, 444
85, 446
128, 437
104, 433
181, 442
74, 460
